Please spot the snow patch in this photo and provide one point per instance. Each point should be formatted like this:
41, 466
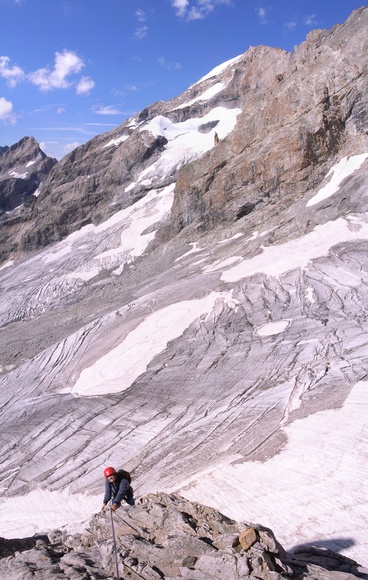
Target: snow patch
338, 173
42, 511
18, 175
211, 92
7, 265
119, 368
185, 142
277, 260
219, 69
273, 328
116, 141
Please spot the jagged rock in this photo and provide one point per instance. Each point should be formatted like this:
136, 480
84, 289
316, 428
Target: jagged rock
166, 536
23, 168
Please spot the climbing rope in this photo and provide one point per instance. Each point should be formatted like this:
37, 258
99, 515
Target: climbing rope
114, 542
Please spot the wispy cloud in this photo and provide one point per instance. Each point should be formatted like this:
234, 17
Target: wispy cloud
12, 74
262, 14
47, 108
6, 111
101, 124
141, 15
169, 64
141, 32
197, 9
67, 128
106, 110
311, 20
290, 25
122, 92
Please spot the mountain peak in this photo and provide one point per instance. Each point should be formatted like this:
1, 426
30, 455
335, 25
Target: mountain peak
23, 168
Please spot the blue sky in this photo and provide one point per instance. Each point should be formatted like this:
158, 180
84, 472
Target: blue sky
73, 69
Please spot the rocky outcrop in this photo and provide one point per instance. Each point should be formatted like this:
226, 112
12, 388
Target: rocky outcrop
166, 536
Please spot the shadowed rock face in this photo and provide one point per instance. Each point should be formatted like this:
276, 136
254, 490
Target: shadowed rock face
23, 168
165, 536
283, 339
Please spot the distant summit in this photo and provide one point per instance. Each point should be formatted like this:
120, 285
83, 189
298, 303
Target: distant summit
23, 168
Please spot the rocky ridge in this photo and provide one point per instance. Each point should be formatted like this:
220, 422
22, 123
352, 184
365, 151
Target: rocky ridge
166, 536
298, 111
23, 169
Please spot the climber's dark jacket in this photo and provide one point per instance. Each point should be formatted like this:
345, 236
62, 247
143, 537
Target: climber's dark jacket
118, 490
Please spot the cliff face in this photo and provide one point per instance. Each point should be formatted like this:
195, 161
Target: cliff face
187, 297
299, 112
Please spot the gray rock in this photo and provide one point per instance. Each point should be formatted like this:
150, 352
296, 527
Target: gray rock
168, 548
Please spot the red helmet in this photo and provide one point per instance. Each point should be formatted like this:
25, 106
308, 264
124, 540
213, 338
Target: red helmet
109, 471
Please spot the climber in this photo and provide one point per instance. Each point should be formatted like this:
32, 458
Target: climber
117, 488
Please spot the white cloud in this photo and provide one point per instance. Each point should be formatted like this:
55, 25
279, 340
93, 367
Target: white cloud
6, 110
60, 110
12, 74
141, 32
106, 110
196, 9
66, 63
180, 6
141, 15
85, 85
